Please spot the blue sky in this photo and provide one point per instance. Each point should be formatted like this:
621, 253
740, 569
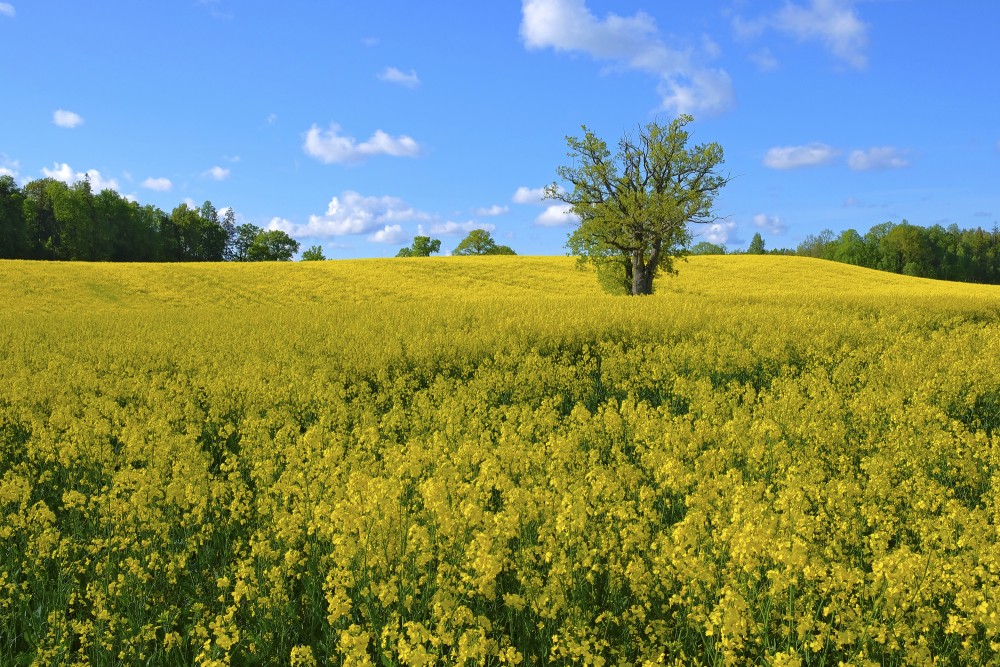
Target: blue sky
355, 125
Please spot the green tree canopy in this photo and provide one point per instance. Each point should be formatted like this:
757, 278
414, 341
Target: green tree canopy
756, 245
272, 245
422, 246
708, 248
480, 242
313, 254
635, 206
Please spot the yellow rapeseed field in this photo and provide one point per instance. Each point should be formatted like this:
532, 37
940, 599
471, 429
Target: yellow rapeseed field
487, 461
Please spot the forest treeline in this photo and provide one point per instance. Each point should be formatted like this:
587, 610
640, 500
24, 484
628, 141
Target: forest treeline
945, 253
48, 219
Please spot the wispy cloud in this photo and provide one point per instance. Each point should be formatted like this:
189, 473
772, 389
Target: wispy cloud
157, 184
399, 77
525, 195
330, 146
880, 157
557, 215
686, 84
494, 210
770, 223
217, 173
67, 119
450, 227
834, 23
63, 172
7, 9
353, 213
795, 157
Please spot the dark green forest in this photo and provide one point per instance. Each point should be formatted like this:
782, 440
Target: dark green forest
48, 219
944, 253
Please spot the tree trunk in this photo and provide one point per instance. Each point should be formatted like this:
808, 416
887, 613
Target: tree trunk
642, 275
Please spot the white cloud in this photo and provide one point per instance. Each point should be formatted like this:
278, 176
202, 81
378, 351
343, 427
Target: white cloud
190, 203
880, 157
158, 184
720, 232
329, 146
557, 215
272, 118
459, 227
63, 172
7, 9
389, 234
793, 157
9, 167
66, 119
764, 60
496, 209
529, 195
834, 23
770, 223
353, 213
5, 171
217, 173
631, 42
397, 76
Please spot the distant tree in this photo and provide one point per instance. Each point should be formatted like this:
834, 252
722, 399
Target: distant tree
244, 237
756, 245
228, 224
707, 248
635, 206
272, 245
13, 230
422, 246
480, 242
313, 254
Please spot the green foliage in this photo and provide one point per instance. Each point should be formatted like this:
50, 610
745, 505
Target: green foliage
272, 245
708, 248
480, 242
48, 219
422, 246
313, 254
966, 255
756, 245
635, 206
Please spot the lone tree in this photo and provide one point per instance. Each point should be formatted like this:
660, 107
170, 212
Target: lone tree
635, 206
756, 245
480, 242
422, 246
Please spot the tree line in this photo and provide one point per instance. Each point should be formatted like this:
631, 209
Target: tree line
945, 253
48, 219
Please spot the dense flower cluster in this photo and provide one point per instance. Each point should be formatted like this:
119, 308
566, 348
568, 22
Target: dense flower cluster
486, 461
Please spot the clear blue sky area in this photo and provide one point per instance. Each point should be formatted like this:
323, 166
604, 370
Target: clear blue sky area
356, 125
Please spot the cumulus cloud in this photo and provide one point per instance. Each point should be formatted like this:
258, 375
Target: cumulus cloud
399, 77
720, 232
330, 146
631, 42
880, 157
7, 9
833, 23
63, 172
770, 223
557, 215
353, 213
67, 119
389, 234
496, 209
459, 227
794, 157
8, 167
217, 173
525, 195
158, 184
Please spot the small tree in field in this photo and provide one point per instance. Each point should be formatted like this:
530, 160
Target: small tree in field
422, 246
313, 254
480, 242
635, 206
